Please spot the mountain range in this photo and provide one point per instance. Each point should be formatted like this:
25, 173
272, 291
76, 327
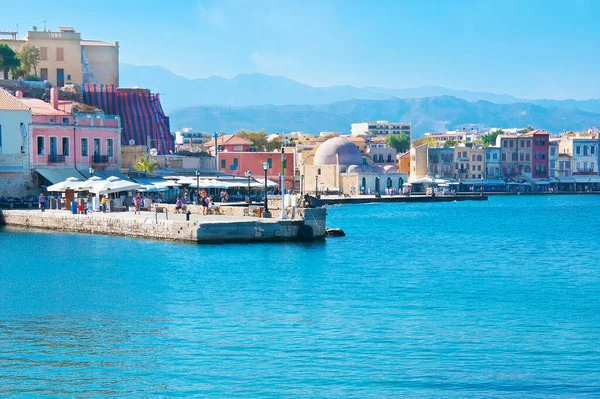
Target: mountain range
280, 104
431, 114
257, 89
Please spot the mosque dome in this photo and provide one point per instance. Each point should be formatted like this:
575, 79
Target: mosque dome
389, 169
337, 147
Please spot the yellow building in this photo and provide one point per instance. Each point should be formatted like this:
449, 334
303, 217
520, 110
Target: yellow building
66, 58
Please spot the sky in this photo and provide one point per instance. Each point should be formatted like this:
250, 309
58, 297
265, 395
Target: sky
526, 48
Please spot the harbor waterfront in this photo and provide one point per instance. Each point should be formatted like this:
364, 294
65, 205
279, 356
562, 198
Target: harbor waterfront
496, 298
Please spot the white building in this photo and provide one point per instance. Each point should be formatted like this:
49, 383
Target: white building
15, 119
379, 128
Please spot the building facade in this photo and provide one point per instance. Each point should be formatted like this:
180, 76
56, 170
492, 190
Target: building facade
469, 161
15, 118
66, 58
493, 166
229, 143
583, 150
380, 128
440, 162
238, 163
540, 150
418, 162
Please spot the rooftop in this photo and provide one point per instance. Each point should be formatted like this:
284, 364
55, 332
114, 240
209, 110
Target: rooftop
8, 102
229, 139
41, 108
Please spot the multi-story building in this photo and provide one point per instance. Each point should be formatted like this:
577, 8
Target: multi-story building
553, 149
583, 149
15, 118
239, 163
229, 143
418, 162
440, 162
509, 152
524, 165
65, 144
540, 149
469, 161
67, 58
379, 128
465, 136
380, 153
493, 166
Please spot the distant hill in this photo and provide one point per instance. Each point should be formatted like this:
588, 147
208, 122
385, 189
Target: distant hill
426, 114
258, 89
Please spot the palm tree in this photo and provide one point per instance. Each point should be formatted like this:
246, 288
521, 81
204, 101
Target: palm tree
144, 165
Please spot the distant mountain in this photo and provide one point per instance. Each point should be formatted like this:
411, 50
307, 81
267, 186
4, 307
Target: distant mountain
426, 114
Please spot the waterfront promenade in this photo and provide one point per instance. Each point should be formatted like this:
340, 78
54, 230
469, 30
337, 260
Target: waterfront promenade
307, 225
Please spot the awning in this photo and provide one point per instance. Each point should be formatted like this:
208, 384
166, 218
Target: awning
541, 182
58, 175
587, 179
471, 182
567, 180
494, 183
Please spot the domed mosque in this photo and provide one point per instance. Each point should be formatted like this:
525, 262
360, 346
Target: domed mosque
339, 167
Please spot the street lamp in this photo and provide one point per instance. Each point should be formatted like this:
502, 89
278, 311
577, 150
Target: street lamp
249, 176
316, 185
197, 185
216, 136
301, 184
91, 170
266, 213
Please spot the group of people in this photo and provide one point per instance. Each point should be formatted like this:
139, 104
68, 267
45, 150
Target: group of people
87, 205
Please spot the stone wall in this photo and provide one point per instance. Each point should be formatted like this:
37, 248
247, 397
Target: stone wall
12, 176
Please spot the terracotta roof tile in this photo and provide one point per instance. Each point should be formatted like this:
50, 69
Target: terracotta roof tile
42, 108
8, 102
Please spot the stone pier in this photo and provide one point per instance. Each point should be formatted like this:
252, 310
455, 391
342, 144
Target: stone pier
307, 224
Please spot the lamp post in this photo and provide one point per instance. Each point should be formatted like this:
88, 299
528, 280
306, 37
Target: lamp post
301, 184
197, 184
216, 136
266, 213
283, 215
316, 185
249, 175
91, 170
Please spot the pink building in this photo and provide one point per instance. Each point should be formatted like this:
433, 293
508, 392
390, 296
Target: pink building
238, 163
65, 144
229, 143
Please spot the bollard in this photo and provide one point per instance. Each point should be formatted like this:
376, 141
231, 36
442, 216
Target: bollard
187, 216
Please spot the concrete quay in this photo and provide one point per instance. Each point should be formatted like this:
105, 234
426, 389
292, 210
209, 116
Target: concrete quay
307, 224
364, 199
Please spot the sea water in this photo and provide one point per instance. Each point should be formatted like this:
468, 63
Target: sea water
453, 300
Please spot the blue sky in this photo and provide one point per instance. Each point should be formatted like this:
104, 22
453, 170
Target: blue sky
527, 48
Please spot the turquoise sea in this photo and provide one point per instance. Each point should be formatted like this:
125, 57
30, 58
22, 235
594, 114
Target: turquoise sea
497, 299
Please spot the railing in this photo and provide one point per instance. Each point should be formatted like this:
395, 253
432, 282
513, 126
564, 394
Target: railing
56, 159
100, 159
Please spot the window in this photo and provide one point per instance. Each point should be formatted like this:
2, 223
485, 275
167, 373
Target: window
553, 151
592, 149
223, 164
505, 143
513, 157
479, 168
44, 74
578, 150
389, 158
270, 162
53, 146
585, 150
522, 157
585, 166
591, 166
473, 157
97, 147
522, 143
503, 157
319, 171
60, 54
528, 143
511, 144
40, 146
65, 146
65, 121
84, 147
43, 53
110, 147
527, 158
479, 158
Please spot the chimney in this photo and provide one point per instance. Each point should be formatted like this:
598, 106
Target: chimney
54, 97
19, 94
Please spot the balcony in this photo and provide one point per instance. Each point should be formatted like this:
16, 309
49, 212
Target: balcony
100, 159
56, 159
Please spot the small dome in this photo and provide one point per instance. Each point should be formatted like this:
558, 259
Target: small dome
337, 147
389, 169
354, 169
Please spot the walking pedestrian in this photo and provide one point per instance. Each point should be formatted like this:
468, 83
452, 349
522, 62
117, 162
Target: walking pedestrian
138, 203
42, 202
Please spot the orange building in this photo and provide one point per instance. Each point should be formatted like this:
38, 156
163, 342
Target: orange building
404, 163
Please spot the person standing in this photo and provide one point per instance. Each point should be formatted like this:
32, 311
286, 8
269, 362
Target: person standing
138, 203
104, 203
42, 202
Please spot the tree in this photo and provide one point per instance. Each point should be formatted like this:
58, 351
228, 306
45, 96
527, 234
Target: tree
144, 165
30, 58
8, 59
430, 141
400, 142
490, 138
450, 143
259, 140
